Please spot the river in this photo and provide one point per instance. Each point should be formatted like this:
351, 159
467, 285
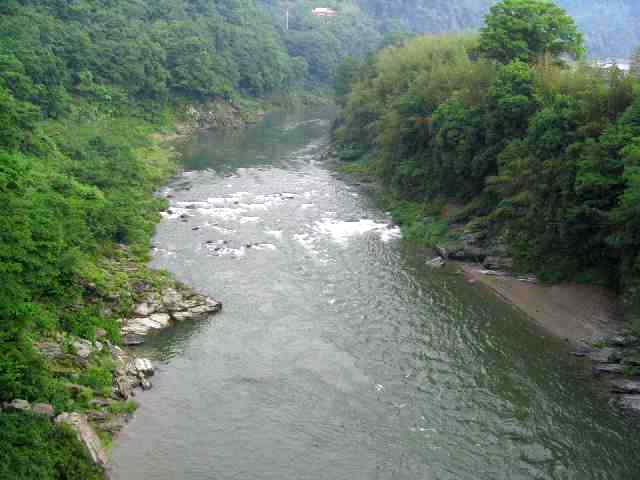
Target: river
339, 355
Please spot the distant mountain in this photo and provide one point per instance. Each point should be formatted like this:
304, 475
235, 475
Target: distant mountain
610, 26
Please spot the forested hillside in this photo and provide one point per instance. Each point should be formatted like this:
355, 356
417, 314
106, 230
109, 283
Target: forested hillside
610, 26
541, 159
83, 84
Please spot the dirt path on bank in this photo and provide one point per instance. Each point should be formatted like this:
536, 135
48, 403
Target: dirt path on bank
574, 312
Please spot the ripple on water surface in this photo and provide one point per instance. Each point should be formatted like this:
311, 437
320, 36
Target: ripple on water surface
339, 355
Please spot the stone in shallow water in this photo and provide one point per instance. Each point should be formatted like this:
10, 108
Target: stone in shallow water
609, 368
625, 386
144, 366
630, 402
133, 339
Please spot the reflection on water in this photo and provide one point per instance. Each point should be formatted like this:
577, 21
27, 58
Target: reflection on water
339, 355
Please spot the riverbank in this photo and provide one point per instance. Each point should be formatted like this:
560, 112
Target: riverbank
73, 377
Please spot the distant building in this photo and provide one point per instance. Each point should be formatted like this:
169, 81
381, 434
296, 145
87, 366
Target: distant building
324, 12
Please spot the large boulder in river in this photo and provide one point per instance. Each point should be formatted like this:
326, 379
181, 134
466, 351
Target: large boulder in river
79, 423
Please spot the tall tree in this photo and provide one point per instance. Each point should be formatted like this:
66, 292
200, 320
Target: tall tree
527, 30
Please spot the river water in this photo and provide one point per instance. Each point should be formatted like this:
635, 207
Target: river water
339, 355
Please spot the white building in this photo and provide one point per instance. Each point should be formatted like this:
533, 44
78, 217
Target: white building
324, 12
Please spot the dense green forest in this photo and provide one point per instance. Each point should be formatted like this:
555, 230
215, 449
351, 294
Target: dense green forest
83, 84
542, 154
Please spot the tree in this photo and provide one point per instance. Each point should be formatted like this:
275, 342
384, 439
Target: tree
528, 30
634, 68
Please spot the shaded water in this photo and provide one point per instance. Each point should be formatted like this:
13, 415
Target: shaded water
339, 355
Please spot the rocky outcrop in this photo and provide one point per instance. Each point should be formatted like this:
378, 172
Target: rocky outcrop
437, 262
617, 360
80, 424
158, 309
215, 114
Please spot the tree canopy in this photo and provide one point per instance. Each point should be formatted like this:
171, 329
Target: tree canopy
528, 30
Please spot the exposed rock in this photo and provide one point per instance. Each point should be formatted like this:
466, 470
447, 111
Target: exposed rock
100, 402
630, 402
604, 355
123, 387
51, 350
632, 360
132, 339
43, 409
171, 299
437, 262
609, 368
143, 309
83, 348
145, 384
623, 341
182, 316
498, 263
144, 366
86, 435
97, 415
18, 405
625, 386
162, 319
101, 332
141, 326
114, 424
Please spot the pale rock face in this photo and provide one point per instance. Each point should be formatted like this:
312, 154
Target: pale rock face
83, 348
79, 423
182, 316
141, 326
143, 309
162, 318
18, 404
144, 366
43, 409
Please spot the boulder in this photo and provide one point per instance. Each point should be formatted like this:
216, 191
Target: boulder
101, 332
43, 409
625, 386
162, 319
144, 366
182, 316
143, 309
437, 262
83, 348
609, 368
630, 402
145, 384
632, 360
171, 299
142, 326
80, 424
51, 350
604, 355
623, 341
114, 424
18, 405
498, 263
97, 415
132, 339
123, 387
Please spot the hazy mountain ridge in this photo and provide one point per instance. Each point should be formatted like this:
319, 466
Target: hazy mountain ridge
610, 26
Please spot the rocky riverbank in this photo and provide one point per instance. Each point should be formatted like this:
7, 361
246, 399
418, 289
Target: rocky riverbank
587, 317
107, 409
